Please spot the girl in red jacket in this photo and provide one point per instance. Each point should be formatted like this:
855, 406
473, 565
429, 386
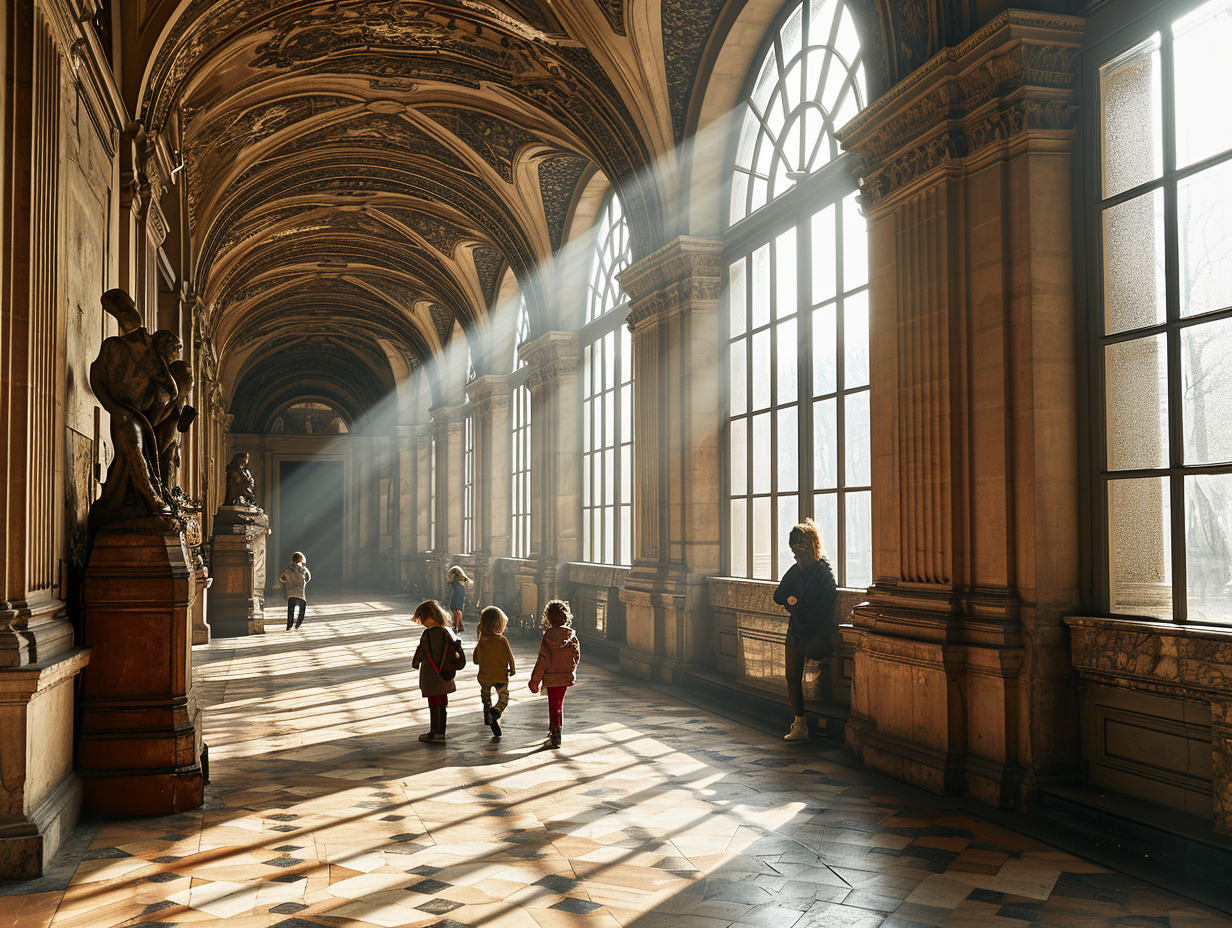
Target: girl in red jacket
556, 668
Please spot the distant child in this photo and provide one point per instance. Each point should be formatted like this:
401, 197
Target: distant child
438, 658
494, 660
457, 595
556, 668
294, 578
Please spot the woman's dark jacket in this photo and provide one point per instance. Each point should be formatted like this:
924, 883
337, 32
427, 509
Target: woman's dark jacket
813, 613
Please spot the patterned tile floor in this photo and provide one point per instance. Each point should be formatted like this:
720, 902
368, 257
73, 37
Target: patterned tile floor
326, 812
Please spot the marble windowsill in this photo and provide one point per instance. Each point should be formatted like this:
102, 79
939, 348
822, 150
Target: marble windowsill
1192, 661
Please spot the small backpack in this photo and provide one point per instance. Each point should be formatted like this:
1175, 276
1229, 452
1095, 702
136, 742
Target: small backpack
453, 660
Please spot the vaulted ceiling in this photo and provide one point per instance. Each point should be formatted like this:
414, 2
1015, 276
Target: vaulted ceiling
364, 173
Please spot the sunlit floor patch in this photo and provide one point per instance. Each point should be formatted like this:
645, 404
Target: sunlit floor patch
325, 811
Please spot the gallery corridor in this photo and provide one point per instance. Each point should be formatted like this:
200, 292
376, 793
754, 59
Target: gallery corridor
324, 810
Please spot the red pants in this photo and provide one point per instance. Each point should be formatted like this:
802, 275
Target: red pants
556, 705
441, 700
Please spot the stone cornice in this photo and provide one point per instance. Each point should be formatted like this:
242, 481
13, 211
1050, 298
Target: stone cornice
1014, 76
549, 357
445, 416
488, 388
684, 273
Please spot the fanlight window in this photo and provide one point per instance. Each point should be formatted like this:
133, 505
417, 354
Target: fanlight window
810, 83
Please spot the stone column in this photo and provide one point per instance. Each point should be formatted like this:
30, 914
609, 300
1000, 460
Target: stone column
448, 428
39, 794
552, 361
961, 679
489, 397
674, 320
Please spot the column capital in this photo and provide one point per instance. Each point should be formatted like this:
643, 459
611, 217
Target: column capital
1010, 81
550, 357
683, 275
488, 390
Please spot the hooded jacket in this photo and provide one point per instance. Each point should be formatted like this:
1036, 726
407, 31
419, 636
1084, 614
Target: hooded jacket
559, 653
295, 578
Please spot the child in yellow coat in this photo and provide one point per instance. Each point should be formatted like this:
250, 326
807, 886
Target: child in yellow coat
494, 660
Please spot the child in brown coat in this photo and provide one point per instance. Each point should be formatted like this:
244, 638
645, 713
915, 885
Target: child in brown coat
438, 651
559, 654
494, 660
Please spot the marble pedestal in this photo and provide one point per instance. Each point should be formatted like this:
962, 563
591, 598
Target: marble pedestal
139, 751
237, 597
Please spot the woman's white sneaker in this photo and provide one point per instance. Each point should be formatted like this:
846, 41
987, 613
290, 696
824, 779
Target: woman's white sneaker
799, 730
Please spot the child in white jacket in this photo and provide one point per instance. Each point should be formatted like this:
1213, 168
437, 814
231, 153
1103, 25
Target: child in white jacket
294, 578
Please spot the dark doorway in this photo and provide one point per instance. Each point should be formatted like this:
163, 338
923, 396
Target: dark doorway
310, 516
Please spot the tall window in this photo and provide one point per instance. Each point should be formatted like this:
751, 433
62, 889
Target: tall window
432, 496
607, 400
797, 424
521, 440
468, 485
1161, 232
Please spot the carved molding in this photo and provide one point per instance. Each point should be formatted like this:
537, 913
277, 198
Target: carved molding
1015, 76
679, 276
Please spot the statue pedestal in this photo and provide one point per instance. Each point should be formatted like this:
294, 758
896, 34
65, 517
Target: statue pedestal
200, 627
237, 598
139, 751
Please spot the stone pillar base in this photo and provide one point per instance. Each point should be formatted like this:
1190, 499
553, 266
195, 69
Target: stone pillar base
41, 802
201, 627
663, 633
237, 598
140, 747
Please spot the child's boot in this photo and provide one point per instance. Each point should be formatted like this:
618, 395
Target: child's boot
440, 732
430, 734
555, 737
487, 713
494, 715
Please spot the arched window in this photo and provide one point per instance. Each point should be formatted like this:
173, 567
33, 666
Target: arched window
607, 399
797, 423
468, 484
1160, 211
521, 440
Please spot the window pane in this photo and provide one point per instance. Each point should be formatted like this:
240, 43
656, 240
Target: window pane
609, 537
825, 350
762, 542
855, 340
609, 476
785, 267
626, 473
735, 296
626, 412
609, 360
626, 354
1140, 547
1132, 133
1135, 375
1208, 548
738, 390
626, 535
587, 464
587, 412
588, 550
825, 279
856, 440
1134, 263
761, 453
739, 538
1201, 64
788, 449
1206, 372
855, 245
859, 518
761, 286
1204, 215
825, 514
789, 514
737, 456
825, 444
761, 369
609, 419
787, 363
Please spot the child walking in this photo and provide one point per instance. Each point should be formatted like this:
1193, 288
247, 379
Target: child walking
438, 658
457, 595
556, 668
294, 578
494, 660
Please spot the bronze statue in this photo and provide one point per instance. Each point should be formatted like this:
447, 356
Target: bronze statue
241, 488
144, 386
